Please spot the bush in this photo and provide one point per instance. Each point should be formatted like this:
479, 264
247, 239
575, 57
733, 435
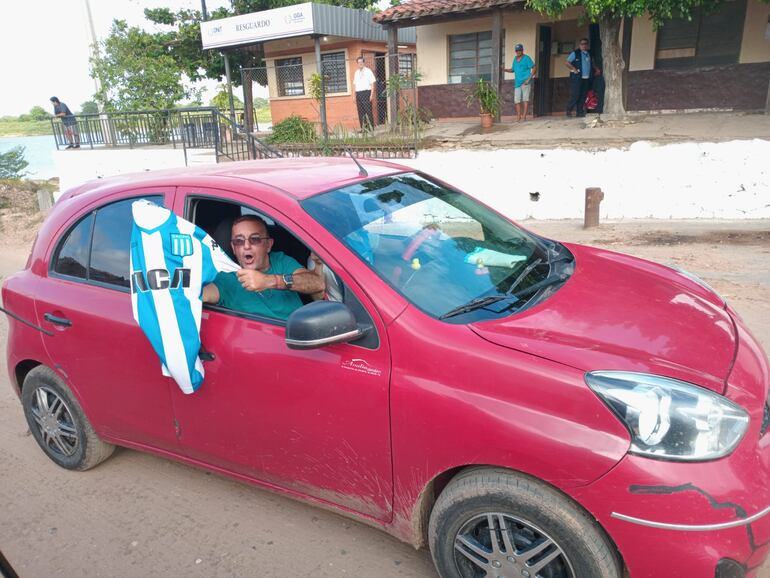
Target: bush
38, 113
89, 107
293, 129
12, 163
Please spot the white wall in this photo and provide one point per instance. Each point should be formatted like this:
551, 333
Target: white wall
728, 180
75, 167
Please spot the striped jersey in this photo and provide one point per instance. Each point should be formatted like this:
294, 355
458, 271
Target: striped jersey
171, 261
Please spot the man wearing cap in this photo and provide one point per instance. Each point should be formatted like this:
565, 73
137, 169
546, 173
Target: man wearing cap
582, 71
523, 69
69, 122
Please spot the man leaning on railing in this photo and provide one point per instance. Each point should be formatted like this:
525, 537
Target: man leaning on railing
69, 122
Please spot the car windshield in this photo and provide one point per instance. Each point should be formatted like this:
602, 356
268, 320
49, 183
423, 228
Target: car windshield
446, 253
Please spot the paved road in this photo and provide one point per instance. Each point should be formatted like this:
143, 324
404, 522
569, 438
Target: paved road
137, 515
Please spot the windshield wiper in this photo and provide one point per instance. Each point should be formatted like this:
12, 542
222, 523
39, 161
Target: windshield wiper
527, 270
473, 304
550, 280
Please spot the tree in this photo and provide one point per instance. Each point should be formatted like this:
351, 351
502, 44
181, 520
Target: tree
89, 107
13, 163
136, 71
38, 113
222, 100
609, 14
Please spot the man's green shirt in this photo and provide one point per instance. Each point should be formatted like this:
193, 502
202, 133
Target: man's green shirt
276, 303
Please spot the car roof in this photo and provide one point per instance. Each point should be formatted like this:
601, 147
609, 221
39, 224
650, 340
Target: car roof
298, 177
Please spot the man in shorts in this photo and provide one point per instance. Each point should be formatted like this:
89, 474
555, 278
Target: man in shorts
523, 69
69, 122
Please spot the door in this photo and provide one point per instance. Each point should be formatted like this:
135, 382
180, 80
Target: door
543, 104
97, 346
315, 422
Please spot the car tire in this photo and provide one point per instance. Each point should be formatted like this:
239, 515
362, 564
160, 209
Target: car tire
58, 424
535, 525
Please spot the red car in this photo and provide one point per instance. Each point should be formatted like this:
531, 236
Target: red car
521, 406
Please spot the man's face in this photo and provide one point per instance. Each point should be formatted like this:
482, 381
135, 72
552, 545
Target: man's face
254, 250
360, 64
519, 52
583, 45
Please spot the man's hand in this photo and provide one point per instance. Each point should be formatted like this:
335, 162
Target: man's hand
252, 280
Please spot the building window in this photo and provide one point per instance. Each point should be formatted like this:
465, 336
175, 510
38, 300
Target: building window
470, 57
709, 38
335, 72
289, 74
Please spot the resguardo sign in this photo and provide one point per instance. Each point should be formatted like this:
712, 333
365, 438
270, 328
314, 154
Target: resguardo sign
258, 26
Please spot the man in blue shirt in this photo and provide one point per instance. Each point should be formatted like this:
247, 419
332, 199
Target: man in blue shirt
523, 69
582, 71
268, 283
69, 122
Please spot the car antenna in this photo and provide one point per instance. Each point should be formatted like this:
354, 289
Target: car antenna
361, 170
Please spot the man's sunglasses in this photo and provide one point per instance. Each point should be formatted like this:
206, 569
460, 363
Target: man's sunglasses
253, 240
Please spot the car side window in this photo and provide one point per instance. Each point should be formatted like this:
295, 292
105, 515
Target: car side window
97, 248
72, 257
111, 242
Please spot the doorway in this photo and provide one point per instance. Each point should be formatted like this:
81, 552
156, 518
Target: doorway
543, 105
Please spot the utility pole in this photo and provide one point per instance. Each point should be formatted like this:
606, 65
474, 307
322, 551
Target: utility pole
94, 46
205, 15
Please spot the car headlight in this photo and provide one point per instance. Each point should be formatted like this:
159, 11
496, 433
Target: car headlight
671, 419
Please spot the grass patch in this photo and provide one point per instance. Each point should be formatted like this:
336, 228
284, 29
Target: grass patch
25, 128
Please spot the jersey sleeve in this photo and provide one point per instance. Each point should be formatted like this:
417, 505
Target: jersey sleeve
214, 259
571, 57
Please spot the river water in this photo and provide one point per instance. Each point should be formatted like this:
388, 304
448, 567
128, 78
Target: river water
38, 153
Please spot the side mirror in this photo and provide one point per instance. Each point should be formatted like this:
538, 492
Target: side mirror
321, 323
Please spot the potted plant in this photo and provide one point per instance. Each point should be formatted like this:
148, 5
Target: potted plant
489, 101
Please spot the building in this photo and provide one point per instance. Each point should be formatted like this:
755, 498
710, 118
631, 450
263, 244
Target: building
715, 60
301, 40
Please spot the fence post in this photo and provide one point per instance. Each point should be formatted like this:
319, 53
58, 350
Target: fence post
319, 69
392, 71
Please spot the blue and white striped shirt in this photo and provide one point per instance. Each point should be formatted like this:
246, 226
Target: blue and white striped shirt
171, 261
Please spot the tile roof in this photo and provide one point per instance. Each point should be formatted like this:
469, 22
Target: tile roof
418, 9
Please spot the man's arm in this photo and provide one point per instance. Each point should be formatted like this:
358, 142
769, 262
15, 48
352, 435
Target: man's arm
211, 294
532, 72
307, 282
570, 60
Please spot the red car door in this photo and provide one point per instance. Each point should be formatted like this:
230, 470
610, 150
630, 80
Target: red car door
97, 346
315, 422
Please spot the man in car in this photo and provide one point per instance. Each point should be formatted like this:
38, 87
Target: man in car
268, 282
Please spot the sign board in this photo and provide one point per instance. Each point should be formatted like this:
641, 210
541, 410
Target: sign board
283, 22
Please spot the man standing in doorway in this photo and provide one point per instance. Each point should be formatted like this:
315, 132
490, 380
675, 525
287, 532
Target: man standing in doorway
69, 121
582, 71
523, 69
366, 91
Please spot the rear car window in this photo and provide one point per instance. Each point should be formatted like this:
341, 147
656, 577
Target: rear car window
97, 248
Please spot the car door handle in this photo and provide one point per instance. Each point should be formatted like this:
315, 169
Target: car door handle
206, 356
63, 321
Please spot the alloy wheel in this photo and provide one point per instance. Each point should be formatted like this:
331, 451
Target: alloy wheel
498, 545
54, 422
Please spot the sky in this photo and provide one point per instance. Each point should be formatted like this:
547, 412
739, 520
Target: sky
44, 47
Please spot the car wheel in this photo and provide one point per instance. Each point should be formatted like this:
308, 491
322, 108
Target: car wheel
495, 523
58, 424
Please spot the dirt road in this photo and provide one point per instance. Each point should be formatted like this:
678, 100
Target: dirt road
137, 515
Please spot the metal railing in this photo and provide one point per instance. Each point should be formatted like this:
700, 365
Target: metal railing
186, 128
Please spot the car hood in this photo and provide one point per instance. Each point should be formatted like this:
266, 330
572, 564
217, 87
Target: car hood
623, 313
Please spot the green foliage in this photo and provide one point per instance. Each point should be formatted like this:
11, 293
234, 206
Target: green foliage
136, 71
12, 126
89, 107
222, 100
38, 113
293, 129
13, 163
487, 97
314, 87
658, 10
260, 102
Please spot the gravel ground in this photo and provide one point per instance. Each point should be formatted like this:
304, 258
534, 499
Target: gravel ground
139, 515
